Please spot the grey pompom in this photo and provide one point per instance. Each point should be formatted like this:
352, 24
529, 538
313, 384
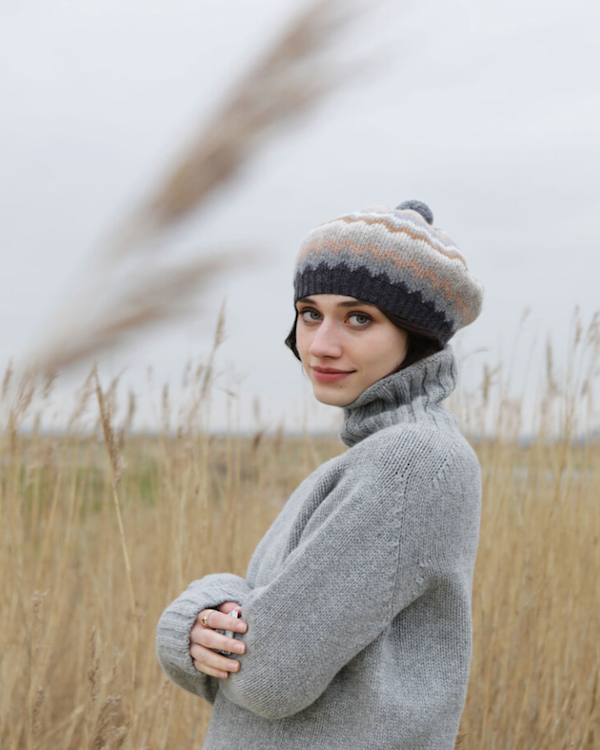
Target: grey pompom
419, 207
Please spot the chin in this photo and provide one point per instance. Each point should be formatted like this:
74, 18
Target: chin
333, 399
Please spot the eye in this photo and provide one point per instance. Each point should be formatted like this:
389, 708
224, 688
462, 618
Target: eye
308, 310
366, 319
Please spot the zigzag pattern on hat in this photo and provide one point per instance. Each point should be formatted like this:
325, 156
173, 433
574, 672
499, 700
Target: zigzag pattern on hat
395, 259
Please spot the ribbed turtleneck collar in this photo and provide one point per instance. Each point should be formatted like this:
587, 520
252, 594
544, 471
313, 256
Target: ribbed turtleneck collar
410, 395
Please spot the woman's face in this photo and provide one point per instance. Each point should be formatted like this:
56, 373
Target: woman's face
334, 332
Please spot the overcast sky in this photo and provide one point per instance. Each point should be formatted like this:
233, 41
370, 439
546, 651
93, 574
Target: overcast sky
488, 112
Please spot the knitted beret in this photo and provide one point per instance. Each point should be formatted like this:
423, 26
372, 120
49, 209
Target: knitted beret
395, 259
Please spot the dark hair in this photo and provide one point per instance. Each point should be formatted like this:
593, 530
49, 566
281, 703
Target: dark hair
421, 341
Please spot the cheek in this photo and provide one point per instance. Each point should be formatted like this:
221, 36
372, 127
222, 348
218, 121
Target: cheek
377, 343
301, 339
383, 347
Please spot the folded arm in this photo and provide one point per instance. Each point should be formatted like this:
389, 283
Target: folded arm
356, 566
360, 561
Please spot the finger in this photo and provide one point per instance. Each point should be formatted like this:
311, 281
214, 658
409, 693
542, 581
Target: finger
222, 621
209, 658
211, 639
211, 671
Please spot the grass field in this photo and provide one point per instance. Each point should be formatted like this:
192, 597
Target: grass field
102, 529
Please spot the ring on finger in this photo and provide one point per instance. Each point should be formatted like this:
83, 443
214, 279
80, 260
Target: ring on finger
205, 616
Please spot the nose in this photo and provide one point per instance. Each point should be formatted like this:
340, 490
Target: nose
326, 341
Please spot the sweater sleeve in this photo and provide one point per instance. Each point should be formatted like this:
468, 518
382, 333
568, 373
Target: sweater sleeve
356, 565
175, 625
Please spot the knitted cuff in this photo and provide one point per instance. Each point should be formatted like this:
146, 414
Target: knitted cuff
176, 622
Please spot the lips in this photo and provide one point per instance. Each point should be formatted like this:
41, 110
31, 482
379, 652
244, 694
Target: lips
330, 370
329, 375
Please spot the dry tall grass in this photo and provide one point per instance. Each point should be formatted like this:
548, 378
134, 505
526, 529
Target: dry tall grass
96, 542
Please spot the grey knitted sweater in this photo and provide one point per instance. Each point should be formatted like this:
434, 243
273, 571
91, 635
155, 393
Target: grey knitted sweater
358, 597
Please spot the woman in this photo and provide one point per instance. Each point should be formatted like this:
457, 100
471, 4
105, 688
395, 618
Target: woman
356, 606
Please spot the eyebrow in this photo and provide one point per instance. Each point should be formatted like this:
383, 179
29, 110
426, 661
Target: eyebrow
349, 303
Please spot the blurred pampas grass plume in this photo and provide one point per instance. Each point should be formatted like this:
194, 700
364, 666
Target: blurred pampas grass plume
132, 284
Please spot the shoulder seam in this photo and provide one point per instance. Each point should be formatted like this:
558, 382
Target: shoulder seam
453, 446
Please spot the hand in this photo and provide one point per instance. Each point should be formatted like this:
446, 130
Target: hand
204, 639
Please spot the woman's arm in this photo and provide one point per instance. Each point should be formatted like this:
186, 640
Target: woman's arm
362, 558
177, 621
